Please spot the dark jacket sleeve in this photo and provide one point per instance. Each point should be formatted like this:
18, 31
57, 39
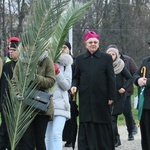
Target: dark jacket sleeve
138, 73
129, 80
111, 79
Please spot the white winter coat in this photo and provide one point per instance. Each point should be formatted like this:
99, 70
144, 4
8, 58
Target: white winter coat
62, 85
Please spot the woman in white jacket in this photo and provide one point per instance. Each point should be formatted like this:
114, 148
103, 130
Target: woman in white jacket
54, 130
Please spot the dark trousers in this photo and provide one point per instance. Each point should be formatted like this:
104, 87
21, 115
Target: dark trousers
127, 111
70, 128
114, 119
95, 136
34, 136
67, 132
4, 140
145, 129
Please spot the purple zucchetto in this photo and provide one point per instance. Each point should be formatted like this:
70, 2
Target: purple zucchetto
91, 34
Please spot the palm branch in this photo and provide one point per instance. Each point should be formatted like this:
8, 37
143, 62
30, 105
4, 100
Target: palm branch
67, 20
45, 29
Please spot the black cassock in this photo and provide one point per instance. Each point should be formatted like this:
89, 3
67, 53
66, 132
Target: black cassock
95, 136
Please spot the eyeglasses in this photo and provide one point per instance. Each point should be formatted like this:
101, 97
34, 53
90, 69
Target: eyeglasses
91, 42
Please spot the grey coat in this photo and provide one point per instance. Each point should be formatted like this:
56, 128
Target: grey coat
62, 85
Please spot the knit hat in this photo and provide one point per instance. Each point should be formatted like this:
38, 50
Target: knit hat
68, 45
91, 34
115, 50
112, 46
13, 42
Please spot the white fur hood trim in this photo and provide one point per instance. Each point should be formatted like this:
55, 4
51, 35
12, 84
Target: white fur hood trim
65, 59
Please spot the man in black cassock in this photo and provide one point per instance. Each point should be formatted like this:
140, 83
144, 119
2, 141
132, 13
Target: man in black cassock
7, 71
95, 80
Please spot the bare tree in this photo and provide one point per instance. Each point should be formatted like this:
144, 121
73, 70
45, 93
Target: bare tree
124, 23
12, 14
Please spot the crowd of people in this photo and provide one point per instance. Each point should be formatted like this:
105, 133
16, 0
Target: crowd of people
104, 83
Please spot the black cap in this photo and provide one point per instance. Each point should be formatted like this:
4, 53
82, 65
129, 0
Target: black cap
13, 44
68, 45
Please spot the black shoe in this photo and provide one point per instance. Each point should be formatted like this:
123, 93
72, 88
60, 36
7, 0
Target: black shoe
117, 141
130, 137
135, 130
68, 144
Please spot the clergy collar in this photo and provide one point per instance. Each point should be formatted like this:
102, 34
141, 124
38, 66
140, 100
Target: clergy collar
95, 54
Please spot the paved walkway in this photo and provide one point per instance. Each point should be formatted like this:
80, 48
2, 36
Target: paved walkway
125, 144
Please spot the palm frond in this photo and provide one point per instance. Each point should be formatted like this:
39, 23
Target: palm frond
69, 17
46, 28
17, 116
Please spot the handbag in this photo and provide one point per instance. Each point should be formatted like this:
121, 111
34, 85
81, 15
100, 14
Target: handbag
39, 100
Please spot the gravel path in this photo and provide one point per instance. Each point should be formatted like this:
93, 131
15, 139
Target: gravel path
125, 144
129, 145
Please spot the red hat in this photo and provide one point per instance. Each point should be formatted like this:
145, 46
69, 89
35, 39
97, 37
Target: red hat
91, 34
13, 39
13, 42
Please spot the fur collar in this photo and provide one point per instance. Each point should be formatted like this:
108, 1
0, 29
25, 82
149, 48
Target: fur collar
65, 59
118, 65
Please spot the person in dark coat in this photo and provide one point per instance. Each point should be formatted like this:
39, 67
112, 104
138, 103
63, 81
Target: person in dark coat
94, 79
141, 81
70, 128
7, 71
121, 73
127, 110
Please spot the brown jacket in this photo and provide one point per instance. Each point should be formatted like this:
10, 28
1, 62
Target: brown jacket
44, 77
